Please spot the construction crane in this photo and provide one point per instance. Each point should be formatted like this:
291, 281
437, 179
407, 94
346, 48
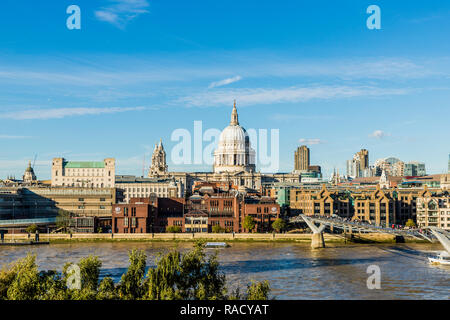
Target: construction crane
34, 160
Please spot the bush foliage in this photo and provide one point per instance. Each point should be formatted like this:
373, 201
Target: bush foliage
177, 276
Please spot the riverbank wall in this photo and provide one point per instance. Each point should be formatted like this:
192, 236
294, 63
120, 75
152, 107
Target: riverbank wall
248, 237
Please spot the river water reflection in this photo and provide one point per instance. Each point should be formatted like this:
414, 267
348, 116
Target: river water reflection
293, 270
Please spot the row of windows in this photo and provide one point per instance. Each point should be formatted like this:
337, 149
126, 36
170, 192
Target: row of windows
148, 189
82, 173
84, 207
126, 222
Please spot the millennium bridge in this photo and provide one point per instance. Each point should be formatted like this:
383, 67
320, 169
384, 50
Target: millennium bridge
351, 227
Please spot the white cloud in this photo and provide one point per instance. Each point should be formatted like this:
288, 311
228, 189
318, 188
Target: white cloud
43, 114
311, 141
4, 136
120, 12
247, 97
288, 117
224, 82
379, 134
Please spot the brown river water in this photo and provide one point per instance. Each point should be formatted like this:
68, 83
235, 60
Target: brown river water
293, 270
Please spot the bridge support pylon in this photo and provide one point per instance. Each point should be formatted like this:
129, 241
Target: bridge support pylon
317, 240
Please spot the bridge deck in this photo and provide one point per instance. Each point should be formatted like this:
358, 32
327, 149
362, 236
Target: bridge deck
363, 227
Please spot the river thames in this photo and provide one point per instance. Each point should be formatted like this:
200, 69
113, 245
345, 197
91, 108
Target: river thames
293, 270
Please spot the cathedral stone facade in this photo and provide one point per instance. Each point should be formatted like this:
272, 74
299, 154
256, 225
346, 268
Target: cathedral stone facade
159, 164
234, 162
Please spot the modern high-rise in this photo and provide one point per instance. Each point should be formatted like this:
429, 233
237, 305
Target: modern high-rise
398, 169
359, 165
302, 159
390, 165
363, 159
415, 168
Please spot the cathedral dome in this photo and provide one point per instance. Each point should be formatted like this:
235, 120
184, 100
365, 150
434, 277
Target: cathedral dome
233, 137
234, 153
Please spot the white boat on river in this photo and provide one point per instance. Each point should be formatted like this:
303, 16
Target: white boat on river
444, 256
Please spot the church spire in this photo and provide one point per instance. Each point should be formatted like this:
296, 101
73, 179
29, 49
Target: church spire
234, 116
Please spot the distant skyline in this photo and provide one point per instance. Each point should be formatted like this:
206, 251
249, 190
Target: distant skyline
138, 70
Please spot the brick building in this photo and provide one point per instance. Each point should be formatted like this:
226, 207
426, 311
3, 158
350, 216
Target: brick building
145, 215
199, 213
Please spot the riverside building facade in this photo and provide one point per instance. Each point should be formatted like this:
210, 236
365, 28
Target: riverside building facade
434, 211
22, 206
200, 213
382, 207
94, 174
137, 187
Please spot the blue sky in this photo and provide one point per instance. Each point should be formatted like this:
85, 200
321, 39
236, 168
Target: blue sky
139, 69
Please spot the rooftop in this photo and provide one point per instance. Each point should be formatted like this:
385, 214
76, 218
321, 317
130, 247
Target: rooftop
134, 179
83, 164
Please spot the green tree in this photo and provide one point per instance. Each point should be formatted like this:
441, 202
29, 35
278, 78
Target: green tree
186, 276
249, 223
410, 223
258, 290
89, 276
173, 229
107, 290
131, 285
7, 276
25, 283
52, 287
217, 229
161, 281
32, 228
63, 220
279, 225
191, 275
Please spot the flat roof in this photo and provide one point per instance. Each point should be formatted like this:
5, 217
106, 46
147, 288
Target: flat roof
134, 179
84, 164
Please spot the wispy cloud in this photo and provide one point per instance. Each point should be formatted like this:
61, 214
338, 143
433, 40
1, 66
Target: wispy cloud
311, 141
224, 82
43, 114
248, 97
120, 71
288, 117
5, 136
379, 134
120, 12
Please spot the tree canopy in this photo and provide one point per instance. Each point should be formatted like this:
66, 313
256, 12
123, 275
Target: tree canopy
191, 275
279, 225
249, 223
